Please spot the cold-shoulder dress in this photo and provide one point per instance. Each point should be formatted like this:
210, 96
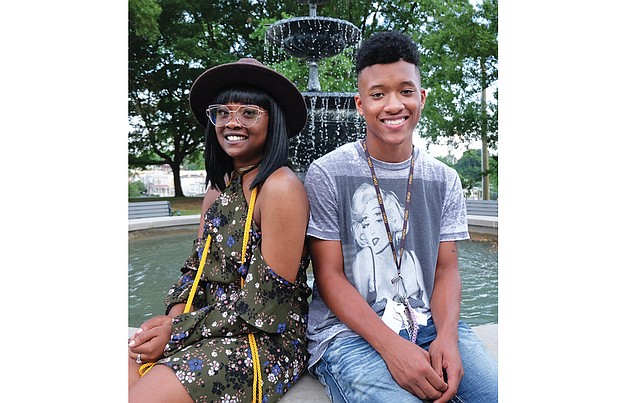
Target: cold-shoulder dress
209, 349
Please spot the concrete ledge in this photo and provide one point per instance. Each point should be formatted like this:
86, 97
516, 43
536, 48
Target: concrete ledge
477, 223
309, 390
483, 221
162, 222
482, 227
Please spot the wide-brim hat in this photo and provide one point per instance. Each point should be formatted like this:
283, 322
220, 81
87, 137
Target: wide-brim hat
248, 71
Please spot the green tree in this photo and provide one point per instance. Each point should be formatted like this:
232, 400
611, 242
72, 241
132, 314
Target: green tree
446, 160
172, 41
136, 189
458, 45
469, 170
460, 69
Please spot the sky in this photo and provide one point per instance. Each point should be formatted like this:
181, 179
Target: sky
64, 127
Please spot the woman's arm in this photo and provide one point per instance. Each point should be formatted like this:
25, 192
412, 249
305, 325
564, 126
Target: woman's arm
282, 213
207, 202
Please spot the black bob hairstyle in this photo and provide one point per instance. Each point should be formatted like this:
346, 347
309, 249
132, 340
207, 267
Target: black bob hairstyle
275, 153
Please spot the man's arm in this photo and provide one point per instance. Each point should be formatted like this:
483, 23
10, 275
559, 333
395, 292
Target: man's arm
446, 310
408, 363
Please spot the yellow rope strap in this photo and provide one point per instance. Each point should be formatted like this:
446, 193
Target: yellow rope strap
144, 368
248, 225
205, 252
257, 390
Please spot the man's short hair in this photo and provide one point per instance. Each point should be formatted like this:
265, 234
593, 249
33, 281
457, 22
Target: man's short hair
384, 48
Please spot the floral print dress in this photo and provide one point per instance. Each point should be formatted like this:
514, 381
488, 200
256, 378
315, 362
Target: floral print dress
209, 348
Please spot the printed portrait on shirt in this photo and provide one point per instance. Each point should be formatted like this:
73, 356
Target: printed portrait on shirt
373, 268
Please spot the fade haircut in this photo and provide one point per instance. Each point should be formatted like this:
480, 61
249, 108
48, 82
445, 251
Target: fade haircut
386, 47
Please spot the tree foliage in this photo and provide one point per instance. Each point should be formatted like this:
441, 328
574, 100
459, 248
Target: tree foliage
468, 168
172, 41
136, 189
460, 62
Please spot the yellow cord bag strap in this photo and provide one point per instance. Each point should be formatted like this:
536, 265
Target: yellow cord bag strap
257, 390
146, 367
257, 382
203, 259
248, 226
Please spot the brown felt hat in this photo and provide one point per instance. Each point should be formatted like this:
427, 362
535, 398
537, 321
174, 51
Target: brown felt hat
248, 71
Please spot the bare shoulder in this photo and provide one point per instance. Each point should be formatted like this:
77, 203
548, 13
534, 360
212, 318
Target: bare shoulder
283, 195
283, 183
209, 198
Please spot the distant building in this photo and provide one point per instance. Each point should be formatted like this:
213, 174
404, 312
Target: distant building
159, 181
193, 183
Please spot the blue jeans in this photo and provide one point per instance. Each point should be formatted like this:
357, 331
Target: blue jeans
353, 372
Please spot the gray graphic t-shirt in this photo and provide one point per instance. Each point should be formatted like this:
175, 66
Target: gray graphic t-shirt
344, 207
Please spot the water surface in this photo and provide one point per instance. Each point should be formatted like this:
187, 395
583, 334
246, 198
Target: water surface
154, 263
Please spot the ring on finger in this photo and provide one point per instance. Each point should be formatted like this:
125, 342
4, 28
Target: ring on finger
138, 360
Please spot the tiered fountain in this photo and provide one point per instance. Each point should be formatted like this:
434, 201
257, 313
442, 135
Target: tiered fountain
332, 117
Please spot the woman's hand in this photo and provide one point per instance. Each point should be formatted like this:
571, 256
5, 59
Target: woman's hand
151, 338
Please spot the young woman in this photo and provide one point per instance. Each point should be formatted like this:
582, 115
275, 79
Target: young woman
242, 338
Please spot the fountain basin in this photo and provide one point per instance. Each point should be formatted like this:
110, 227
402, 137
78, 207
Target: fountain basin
313, 38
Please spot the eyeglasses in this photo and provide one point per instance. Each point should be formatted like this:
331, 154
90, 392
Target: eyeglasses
247, 115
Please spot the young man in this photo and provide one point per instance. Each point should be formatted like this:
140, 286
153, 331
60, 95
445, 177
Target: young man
366, 347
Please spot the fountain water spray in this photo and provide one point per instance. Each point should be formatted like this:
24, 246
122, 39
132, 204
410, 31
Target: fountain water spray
332, 117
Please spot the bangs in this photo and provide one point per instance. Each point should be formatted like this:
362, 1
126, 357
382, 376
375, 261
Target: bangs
245, 95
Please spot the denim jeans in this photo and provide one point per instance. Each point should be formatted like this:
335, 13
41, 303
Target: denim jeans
353, 372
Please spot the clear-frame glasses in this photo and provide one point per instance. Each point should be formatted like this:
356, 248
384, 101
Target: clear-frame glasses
246, 115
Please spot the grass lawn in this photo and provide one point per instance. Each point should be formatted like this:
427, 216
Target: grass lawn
186, 205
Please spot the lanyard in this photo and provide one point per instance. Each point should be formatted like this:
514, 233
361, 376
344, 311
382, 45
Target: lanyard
397, 258
407, 314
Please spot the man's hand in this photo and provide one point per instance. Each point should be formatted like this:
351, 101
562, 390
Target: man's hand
151, 338
411, 368
445, 356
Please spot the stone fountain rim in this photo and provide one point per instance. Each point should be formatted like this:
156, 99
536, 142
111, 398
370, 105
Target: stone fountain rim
328, 94
312, 19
